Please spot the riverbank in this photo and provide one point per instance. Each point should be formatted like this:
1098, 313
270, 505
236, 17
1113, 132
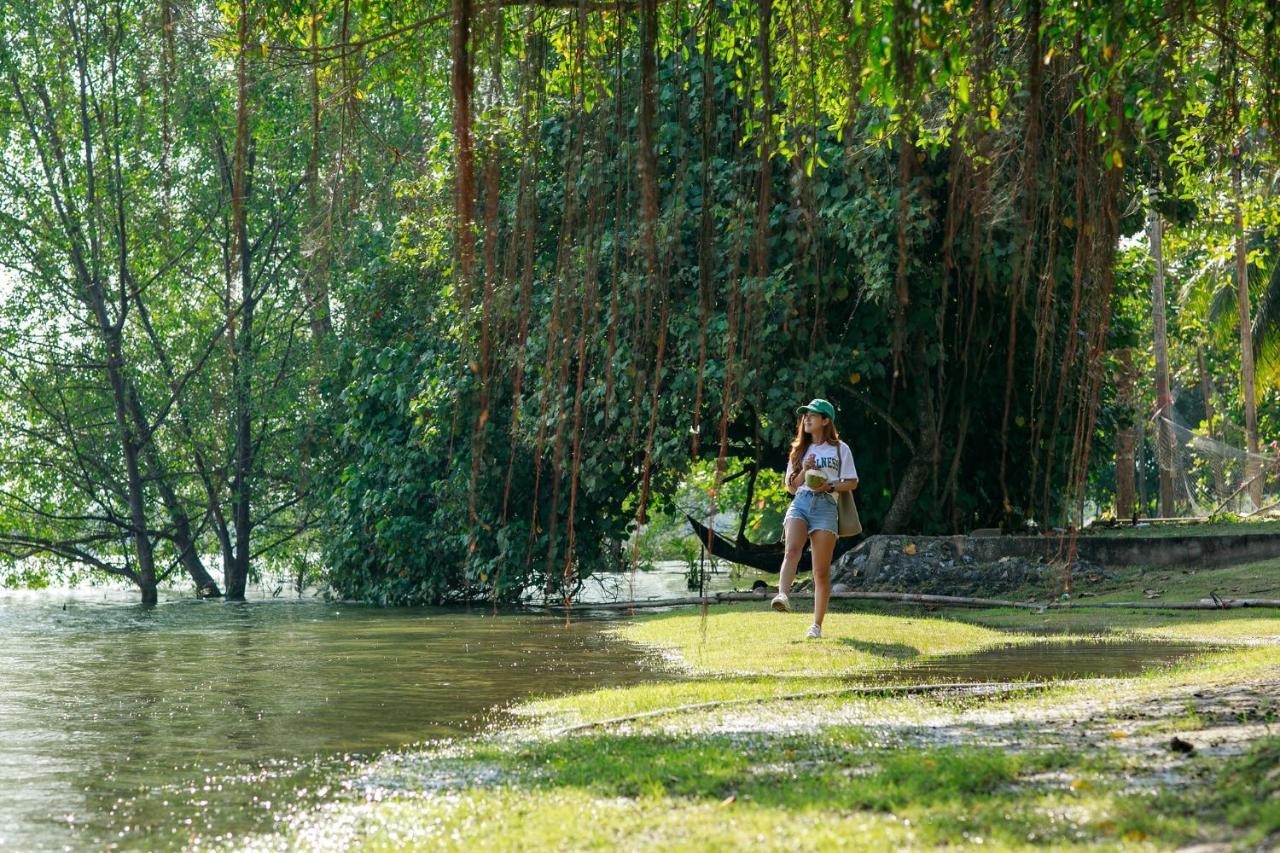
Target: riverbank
803, 753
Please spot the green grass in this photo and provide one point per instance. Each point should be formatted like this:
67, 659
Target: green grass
1217, 528
1235, 629
1250, 580
681, 781
749, 640
736, 638
812, 793
1210, 626
1149, 586
607, 703
747, 652
1250, 793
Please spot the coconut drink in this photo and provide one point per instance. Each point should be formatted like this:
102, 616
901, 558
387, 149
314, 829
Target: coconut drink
814, 478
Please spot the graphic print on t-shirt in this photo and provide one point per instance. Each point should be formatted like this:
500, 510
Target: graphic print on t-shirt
835, 462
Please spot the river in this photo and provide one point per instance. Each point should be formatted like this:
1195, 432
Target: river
138, 727
159, 728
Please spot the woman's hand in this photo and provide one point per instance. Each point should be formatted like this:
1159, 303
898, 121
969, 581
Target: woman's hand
810, 462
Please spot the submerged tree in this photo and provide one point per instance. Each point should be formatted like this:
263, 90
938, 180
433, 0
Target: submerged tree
138, 280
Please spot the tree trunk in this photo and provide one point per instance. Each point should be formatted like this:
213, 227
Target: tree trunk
143, 546
183, 539
188, 555
1127, 438
1206, 391
237, 574
317, 233
150, 591
462, 86
1164, 399
241, 483
1248, 380
647, 163
912, 483
1022, 273
764, 203
95, 298
1140, 431
746, 504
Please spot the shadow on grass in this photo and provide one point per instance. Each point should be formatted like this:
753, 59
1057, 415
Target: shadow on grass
897, 651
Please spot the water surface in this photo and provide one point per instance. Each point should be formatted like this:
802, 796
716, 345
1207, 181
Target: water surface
1052, 661
143, 728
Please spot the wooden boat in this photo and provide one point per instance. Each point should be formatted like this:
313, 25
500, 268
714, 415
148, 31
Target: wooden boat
762, 557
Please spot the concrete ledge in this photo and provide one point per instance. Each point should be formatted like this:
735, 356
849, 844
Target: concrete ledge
1104, 550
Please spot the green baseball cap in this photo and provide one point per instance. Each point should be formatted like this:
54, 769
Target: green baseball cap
818, 407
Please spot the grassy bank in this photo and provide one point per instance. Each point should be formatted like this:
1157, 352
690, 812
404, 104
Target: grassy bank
732, 793
1189, 528
1072, 765
1151, 586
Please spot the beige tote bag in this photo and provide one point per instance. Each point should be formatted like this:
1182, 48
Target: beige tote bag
847, 521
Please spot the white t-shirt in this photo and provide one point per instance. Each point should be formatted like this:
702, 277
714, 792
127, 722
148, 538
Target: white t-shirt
835, 462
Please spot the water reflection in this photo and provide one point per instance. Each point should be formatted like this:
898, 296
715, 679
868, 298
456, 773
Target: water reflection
1088, 658
119, 724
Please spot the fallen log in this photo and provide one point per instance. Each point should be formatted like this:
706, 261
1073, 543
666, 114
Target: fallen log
919, 598
730, 597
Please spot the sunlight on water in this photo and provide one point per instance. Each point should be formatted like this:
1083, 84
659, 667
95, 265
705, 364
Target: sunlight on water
147, 727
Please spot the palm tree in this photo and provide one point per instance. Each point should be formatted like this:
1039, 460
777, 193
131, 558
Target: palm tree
1214, 292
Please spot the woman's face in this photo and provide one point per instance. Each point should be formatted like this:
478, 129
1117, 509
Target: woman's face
815, 424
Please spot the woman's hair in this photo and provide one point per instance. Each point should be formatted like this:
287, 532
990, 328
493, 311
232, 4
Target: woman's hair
800, 445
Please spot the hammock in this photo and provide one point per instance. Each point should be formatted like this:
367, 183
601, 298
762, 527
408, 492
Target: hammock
762, 557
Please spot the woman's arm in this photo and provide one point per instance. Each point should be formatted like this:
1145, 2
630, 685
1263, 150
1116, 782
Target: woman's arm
792, 480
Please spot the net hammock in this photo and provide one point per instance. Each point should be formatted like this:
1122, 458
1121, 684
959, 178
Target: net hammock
1212, 477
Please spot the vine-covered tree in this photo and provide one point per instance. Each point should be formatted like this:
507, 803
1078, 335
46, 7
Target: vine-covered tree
473, 287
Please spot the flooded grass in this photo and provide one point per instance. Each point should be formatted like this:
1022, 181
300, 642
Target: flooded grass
1067, 659
1078, 764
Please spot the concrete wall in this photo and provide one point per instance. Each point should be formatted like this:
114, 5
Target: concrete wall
1105, 550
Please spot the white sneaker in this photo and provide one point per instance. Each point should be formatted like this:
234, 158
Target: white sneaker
815, 632
781, 602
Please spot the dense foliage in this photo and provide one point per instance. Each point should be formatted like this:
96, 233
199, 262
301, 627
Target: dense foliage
449, 298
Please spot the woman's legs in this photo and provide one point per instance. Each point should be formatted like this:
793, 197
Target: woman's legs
796, 531
822, 544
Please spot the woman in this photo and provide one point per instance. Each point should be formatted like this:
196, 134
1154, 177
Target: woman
812, 514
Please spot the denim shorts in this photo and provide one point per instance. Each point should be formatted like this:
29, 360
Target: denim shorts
816, 510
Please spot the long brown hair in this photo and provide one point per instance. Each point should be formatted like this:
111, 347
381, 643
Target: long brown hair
800, 445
